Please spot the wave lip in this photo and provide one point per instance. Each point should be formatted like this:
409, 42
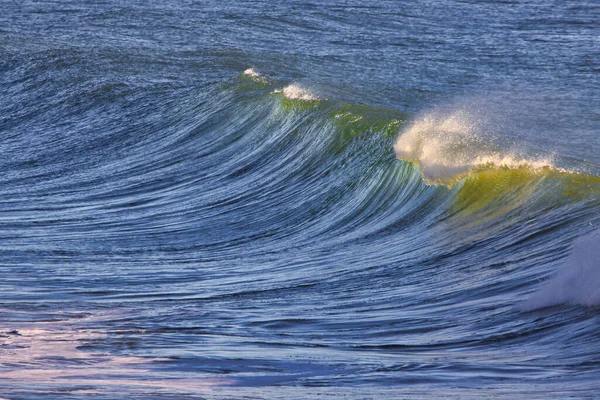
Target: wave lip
448, 146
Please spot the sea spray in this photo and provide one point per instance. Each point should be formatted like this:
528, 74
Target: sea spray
577, 281
448, 145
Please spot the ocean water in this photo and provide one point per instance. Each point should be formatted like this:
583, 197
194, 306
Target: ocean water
297, 200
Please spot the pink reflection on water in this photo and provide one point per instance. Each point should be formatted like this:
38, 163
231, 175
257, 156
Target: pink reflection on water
46, 355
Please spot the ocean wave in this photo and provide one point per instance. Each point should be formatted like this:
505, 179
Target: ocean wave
240, 198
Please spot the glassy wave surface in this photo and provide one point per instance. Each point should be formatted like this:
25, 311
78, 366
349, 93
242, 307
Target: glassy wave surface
206, 200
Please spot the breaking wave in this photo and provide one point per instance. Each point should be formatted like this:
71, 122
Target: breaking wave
446, 146
340, 229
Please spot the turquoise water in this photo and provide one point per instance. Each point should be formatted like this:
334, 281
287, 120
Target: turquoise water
299, 200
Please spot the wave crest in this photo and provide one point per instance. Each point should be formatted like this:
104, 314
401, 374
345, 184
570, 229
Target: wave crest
447, 146
296, 92
254, 75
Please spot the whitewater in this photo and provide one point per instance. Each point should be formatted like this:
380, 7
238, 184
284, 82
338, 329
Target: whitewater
258, 200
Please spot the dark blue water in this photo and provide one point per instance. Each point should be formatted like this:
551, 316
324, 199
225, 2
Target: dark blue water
295, 200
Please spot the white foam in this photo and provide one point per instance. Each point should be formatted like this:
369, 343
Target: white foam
296, 92
448, 145
251, 72
577, 282
254, 75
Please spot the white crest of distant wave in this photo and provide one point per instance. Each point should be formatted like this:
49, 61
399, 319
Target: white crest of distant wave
296, 92
254, 75
252, 72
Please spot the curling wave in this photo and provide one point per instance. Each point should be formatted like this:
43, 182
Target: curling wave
297, 210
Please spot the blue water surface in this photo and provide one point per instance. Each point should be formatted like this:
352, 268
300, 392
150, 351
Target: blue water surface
172, 227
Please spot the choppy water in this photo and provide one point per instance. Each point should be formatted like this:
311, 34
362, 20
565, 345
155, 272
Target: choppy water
298, 200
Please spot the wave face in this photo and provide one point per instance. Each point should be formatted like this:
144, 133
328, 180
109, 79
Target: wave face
276, 212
